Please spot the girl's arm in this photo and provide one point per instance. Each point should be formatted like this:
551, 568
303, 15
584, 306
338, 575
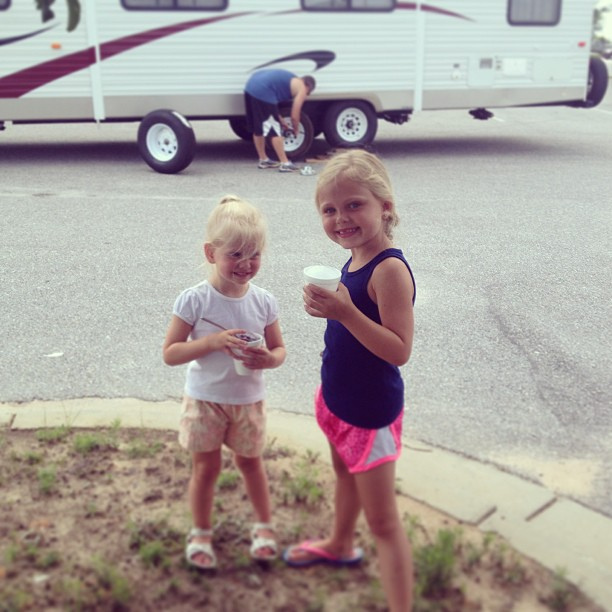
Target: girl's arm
392, 289
178, 349
272, 354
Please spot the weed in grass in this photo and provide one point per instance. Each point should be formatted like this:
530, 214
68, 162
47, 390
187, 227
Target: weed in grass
88, 442
50, 559
413, 526
272, 451
488, 539
14, 600
241, 560
296, 531
141, 449
11, 553
46, 480
154, 554
32, 457
156, 532
311, 456
507, 568
561, 595
91, 510
31, 553
53, 434
435, 564
113, 582
301, 486
73, 592
228, 481
513, 572
472, 556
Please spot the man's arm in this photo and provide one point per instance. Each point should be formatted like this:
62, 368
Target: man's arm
299, 91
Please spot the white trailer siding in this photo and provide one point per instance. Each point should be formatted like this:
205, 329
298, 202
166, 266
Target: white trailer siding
202, 70
50, 51
482, 60
121, 64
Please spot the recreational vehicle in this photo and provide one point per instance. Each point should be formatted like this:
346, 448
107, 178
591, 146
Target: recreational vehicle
165, 63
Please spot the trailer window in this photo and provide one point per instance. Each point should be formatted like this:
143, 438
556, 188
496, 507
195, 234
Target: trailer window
4, 4
173, 5
348, 5
534, 12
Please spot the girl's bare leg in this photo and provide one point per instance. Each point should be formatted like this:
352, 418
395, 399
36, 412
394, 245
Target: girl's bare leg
256, 483
205, 470
347, 509
376, 489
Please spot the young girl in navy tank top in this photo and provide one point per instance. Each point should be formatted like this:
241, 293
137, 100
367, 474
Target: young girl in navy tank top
359, 405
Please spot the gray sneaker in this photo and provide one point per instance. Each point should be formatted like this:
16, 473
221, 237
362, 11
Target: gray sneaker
288, 167
267, 163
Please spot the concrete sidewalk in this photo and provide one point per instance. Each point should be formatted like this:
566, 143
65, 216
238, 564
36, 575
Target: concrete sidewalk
556, 532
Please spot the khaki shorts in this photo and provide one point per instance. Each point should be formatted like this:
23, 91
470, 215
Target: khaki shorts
206, 426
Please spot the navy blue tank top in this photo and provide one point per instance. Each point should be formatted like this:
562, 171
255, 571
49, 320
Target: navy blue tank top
359, 387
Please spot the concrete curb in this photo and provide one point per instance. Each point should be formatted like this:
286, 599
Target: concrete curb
558, 533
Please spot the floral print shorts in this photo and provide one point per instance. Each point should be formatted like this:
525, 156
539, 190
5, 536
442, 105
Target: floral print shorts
360, 449
206, 426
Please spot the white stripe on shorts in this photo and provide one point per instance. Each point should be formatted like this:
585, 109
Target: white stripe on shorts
271, 124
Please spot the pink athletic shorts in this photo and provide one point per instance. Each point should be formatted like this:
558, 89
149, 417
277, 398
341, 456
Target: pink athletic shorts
360, 449
206, 426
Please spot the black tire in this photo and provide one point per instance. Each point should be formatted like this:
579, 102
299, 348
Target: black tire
239, 127
350, 124
297, 146
166, 141
598, 81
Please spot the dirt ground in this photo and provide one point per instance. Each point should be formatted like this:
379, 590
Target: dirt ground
96, 520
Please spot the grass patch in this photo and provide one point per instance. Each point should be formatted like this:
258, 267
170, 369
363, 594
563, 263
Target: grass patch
53, 435
89, 442
301, 484
435, 564
114, 585
143, 449
47, 478
228, 481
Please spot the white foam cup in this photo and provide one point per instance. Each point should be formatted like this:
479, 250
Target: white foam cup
325, 277
254, 343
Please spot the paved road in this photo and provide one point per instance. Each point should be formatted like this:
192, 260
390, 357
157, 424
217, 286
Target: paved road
506, 224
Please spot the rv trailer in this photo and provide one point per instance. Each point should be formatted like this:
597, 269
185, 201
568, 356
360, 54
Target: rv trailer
164, 63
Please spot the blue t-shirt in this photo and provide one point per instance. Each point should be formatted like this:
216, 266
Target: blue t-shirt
272, 86
359, 387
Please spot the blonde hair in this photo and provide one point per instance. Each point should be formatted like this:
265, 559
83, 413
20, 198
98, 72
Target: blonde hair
365, 169
238, 225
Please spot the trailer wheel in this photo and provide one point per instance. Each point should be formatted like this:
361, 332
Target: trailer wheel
350, 124
239, 127
166, 141
297, 146
598, 81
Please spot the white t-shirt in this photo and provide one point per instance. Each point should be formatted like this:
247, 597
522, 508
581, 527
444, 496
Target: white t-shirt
213, 378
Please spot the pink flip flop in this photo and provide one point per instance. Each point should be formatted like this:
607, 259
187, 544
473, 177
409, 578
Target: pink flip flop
320, 556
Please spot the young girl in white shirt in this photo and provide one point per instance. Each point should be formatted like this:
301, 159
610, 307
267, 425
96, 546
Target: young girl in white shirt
221, 406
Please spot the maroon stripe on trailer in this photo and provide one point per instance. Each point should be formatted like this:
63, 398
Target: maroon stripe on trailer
24, 81
411, 6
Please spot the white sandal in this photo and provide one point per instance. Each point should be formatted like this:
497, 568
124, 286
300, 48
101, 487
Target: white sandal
205, 548
258, 542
